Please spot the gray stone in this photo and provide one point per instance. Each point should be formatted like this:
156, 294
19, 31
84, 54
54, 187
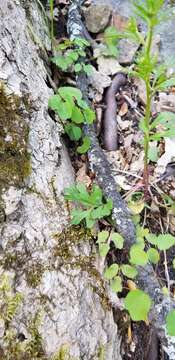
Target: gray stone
127, 51
97, 17
166, 30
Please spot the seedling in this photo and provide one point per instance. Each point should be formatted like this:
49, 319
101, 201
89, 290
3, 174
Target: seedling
93, 206
69, 54
73, 111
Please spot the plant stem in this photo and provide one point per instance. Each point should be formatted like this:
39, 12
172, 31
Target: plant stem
147, 111
146, 136
149, 40
51, 15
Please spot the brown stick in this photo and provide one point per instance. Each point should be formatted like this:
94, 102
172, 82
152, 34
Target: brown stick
110, 121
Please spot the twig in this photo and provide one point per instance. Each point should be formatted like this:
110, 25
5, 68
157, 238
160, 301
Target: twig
127, 173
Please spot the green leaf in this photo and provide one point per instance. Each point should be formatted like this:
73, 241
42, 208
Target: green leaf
110, 50
78, 67
129, 271
165, 291
163, 134
78, 216
93, 201
78, 193
88, 69
89, 115
165, 241
103, 249
82, 104
89, 221
85, 146
131, 31
64, 45
62, 62
102, 236
138, 305
136, 207
81, 42
111, 271
152, 239
116, 284
81, 52
164, 118
138, 256
140, 242
173, 263
65, 110
77, 115
141, 231
170, 323
153, 153
166, 84
69, 92
54, 102
153, 255
108, 207
111, 36
117, 240
72, 54
136, 219
101, 212
96, 196
74, 132
62, 108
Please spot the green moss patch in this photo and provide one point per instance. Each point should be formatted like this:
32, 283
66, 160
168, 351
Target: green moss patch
14, 130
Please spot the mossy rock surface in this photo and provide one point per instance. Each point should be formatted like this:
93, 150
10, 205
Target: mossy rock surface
14, 131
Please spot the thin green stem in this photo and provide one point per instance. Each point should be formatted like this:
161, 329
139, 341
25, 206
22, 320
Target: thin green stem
146, 135
51, 15
149, 40
147, 111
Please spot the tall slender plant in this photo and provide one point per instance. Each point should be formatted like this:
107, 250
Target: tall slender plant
149, 70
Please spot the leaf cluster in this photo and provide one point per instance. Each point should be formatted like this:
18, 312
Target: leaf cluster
69, 54
93, 206
74, 112
111, 38
149, 11
111, 273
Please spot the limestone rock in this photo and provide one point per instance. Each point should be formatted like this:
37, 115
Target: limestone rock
108, 66
97, 17
127, 51
46, 269
99, 81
